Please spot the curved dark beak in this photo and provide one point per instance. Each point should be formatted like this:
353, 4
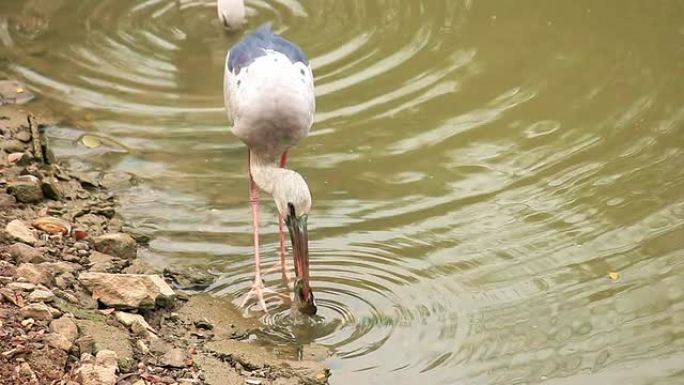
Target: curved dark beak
304, 299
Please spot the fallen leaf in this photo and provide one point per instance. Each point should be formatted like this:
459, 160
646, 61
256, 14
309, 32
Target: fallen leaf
19, 90
614, 276
90, 141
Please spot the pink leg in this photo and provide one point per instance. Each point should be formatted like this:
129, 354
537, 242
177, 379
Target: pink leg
281, 230
258, 285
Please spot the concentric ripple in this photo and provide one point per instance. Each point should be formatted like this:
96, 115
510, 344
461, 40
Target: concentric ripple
478, 169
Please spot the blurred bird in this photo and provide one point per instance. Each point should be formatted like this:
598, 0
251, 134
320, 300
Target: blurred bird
269, 95
231, 13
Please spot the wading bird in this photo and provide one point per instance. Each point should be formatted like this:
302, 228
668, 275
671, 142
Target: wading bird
269, 95
231, 13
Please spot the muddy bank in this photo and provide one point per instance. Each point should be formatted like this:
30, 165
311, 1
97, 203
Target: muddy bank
77, 306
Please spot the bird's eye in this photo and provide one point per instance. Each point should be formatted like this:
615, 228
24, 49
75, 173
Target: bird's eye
239, 82
301, 71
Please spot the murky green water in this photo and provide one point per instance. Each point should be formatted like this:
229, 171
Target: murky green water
478, 169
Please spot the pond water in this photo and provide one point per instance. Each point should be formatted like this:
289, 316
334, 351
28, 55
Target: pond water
478, 168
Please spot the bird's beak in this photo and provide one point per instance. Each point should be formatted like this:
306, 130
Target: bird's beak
304, 299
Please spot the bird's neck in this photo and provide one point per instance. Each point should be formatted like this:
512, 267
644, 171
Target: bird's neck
265, 171
286, 186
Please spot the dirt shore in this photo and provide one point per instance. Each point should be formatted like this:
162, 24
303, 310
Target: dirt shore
77, 306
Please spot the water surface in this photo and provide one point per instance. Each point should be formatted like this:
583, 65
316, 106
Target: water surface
478, 169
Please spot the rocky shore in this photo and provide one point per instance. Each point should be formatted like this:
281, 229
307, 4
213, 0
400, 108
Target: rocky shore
77, 306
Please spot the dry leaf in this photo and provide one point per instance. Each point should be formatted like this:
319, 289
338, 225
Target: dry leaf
614, 276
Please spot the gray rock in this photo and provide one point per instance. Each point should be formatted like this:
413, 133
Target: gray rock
51, 189
106, 337
174, 358
138, 266
26, 189
36, 274
119, 245
23, 253
104, 263
19, 231
128, 291
41, 296
37, 311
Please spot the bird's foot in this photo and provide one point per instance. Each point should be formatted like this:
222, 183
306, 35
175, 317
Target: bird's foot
258, 290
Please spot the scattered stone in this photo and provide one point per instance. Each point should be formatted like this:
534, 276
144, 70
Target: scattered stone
87, 178
13, 145
174, 358
26, 373
189, 277
58, 341
86, 344
21, 286
51, 189
62, 267
115, 180
65, 327
103, 263
52, 225
41, 296
6, 200
13, 297
142, 346
7, 270
23, 253
26, 189
37, 311
138, 266
126, 291
18, 230
119, 245
134, 321
34, 273
98, 371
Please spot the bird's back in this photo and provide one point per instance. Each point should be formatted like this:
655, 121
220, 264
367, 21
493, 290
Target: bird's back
268, 90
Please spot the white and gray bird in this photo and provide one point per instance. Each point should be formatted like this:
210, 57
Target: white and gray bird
269, 96
231, 13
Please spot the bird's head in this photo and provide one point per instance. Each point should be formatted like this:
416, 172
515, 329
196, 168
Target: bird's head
296, 225
231, 13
